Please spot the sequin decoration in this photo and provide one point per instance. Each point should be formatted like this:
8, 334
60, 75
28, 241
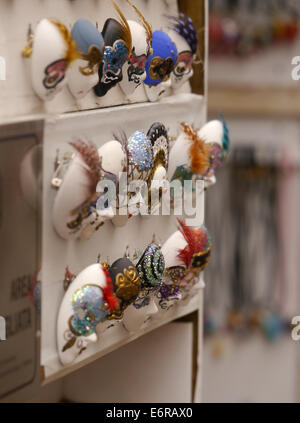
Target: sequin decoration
89, 309
167, 291
175, 273
215, 159
151, 266
140, 151
113, 60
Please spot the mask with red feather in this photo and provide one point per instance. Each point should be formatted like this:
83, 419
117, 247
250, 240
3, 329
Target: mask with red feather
196, 253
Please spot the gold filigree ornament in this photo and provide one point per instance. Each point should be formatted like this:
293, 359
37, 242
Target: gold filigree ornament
27, 50
94, 58
128, 284
161, 68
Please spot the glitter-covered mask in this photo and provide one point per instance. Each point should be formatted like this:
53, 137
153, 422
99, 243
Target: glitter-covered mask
140, 155
86, 303
151, 267
89, 309
115, 55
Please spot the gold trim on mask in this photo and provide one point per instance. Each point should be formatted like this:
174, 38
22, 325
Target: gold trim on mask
72, 52
166, 65
128, 287
94, 57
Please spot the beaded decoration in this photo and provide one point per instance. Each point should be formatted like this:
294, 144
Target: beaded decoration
151, 267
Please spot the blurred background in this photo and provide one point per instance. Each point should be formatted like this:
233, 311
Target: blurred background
252, 282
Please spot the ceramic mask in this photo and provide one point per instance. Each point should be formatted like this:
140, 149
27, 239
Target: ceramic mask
134, 71
85, 304
83, 73
52, 53
160, 65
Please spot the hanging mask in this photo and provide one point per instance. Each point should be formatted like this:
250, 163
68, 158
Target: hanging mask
159, 139
118, 46
86, 303
139, 162
75, 211
127, 285
83, 73
169, 293
134, 70
189, 156
184, 35
195, 256
51, 55
216, 136
150, 270
160, 65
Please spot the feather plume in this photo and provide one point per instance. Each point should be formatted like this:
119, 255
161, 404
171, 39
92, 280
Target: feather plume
108, 291
126, 33
72, 53
184, 26
198, 152
144, 22
90, 156
197, 240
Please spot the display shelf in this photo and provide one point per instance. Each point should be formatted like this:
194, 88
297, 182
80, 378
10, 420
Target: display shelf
57, 253
63, 120
117, 337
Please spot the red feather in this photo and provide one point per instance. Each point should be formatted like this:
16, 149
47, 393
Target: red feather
196, 239
108, 292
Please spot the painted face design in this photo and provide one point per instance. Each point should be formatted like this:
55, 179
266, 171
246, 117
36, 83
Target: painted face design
117, 39
114, 59
184, 64
55, 73
160, 69
184, 34
136, 68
